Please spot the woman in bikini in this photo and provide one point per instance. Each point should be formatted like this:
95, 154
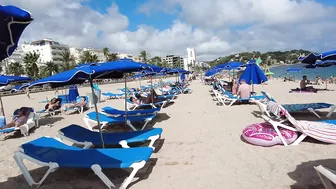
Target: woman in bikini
19, 120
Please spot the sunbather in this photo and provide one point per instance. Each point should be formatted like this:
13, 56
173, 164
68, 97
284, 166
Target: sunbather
19, 120
234, 86
244, 91
303, 85
54, 104
81, 103
151, 98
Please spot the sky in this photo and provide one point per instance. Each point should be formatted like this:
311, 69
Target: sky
214, 28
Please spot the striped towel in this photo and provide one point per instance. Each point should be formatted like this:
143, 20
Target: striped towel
276, 109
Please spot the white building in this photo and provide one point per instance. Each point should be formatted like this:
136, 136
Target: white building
174, 61
48, 50
124, 55
76, 53
190, 60
98, 52
17, 56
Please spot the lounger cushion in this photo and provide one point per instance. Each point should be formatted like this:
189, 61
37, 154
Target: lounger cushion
104, 118
114, 111
81, 134
304, 107
51, 150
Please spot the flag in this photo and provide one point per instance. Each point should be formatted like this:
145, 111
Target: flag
258, 61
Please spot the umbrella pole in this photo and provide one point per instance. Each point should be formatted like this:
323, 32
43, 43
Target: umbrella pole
152, 89
326, 78
2, 108
96, 109
125, 102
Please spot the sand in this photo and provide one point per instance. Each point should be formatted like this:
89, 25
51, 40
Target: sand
201, 146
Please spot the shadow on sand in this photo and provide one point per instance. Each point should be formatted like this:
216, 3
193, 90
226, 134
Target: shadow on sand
305, 176
70, 178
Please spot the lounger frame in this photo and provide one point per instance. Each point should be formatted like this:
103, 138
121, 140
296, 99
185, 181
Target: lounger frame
327, 176
88, 144
88, 122
19, 156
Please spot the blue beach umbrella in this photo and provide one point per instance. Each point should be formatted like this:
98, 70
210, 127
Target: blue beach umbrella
293, 70
213, 71
6, 80
330, 55
13, 21
253, 75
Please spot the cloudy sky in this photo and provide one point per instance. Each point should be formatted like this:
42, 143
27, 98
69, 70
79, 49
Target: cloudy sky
213, 27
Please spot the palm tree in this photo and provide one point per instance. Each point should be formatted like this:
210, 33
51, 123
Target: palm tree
88, 57
113, 57
144, 55
50, 69
68, 61
16, 69
156, 60
106, 53
30, 61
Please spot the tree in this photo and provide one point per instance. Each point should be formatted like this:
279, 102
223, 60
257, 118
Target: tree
113, 57
68, 61
144, 56
50, 69
16, 69
106, 53
156, 60
88, 57
30, 61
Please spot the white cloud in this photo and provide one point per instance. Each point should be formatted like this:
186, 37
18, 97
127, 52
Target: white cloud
214, 27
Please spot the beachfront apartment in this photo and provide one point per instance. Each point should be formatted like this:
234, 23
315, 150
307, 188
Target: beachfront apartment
48, 49
174, 61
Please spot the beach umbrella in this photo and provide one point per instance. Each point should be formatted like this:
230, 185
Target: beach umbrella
269, 73
6, 80
253, 75
213, 71
293, 71
330, 55
309, 59
13, 21
79, 75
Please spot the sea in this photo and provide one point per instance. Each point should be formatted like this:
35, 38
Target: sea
311, 73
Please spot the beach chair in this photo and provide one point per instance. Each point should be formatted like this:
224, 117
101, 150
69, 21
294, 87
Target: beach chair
327, 176
49, 152
24, 129
81, 136
106, 120
311, 107
133, 106
109, 111
323, 131
112, 96
79, 109
228, 99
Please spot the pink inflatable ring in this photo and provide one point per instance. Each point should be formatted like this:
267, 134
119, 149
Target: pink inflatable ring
263, 134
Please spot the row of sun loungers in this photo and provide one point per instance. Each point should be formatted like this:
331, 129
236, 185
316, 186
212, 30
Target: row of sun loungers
52, 152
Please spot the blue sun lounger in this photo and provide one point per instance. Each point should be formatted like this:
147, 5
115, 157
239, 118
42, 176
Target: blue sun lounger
54, 154
109, 111
311, 107
107, 120
231, 99
82, 136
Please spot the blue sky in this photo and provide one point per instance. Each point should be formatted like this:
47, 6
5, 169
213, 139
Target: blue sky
159, 20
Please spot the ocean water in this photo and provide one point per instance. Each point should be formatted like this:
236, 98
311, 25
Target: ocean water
311, 73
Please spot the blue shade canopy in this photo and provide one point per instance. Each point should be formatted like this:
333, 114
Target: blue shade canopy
293, 70
309, 59
330, 55
253, 75
325, 63
6, 79
94, 71
13, 21
230, 65
213, 71
70, 77
178, 70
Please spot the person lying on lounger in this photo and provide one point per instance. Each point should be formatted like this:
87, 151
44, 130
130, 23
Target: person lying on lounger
54, 104
151, 98
19, 120
303, 85
81, 103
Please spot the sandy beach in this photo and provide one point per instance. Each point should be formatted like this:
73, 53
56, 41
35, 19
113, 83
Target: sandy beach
201, 146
